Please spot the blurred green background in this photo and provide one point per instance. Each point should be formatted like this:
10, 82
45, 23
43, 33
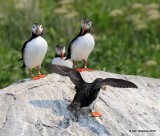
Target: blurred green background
127, 33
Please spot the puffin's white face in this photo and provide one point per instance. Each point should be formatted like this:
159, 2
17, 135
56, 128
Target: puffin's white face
88, 25
60, 51
37, 29
85, 24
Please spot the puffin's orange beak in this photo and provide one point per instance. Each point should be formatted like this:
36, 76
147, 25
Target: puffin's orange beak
38, 32
62, 55
84, 28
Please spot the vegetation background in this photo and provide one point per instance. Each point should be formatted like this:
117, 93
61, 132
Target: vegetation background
127, 33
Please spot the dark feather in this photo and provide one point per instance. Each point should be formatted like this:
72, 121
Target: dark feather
65, 71
115, 83
86, 93
58, 70
22, 50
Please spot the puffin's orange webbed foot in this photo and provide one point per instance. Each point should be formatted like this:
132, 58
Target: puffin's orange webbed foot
83, 69
35, 77
87, 69
38, 77
42, 76
80, 69
96, 114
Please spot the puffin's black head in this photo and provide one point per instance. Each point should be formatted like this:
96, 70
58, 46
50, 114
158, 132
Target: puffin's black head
37, 29
60, 50
74, 106
86, 24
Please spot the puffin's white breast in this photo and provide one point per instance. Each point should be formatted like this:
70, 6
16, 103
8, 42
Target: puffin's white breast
60, 61
82, 47
34, 52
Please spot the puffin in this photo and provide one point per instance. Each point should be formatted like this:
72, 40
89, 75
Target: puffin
34, 50
82, 45
87, 93
60, 57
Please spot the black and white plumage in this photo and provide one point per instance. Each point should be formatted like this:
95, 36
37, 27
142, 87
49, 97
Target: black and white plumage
82, 45
60, 57
34, 50
87, 93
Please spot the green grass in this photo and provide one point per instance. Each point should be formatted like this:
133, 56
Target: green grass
127, 34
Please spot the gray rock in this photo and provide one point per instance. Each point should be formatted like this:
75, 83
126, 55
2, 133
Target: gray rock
38, 108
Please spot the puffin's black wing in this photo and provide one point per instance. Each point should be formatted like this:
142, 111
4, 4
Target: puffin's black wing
23, 47
69, 48
115, 83
22, 50
70, 45
65, 71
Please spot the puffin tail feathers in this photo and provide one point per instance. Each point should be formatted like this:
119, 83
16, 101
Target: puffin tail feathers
23, 66
20, 59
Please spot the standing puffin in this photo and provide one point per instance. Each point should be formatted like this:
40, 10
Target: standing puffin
34, 50
82, 45
60, 57
87, 93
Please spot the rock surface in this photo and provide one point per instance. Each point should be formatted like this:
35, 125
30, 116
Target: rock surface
38, 108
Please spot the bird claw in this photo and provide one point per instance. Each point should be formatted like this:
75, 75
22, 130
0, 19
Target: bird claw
83, 69
42, 76
95, 114
35, 77
88, 69
38, 77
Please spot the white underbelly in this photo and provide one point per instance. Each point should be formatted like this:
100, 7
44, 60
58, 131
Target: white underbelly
82, 47
60, 61
34, 52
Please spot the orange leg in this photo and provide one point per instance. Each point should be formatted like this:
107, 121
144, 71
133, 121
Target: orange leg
39, 73
33, 77
38, 76
30, 72
85, 66
77, 69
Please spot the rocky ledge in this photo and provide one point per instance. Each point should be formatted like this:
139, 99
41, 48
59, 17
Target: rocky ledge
39, 108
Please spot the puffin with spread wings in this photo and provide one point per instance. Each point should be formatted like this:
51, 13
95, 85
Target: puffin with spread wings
87, 93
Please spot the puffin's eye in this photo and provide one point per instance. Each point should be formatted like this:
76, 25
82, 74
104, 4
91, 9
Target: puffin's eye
57, 49
89, 24
33, 26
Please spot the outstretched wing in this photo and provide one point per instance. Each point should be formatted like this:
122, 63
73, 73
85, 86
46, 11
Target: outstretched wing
65, 71
115, 83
